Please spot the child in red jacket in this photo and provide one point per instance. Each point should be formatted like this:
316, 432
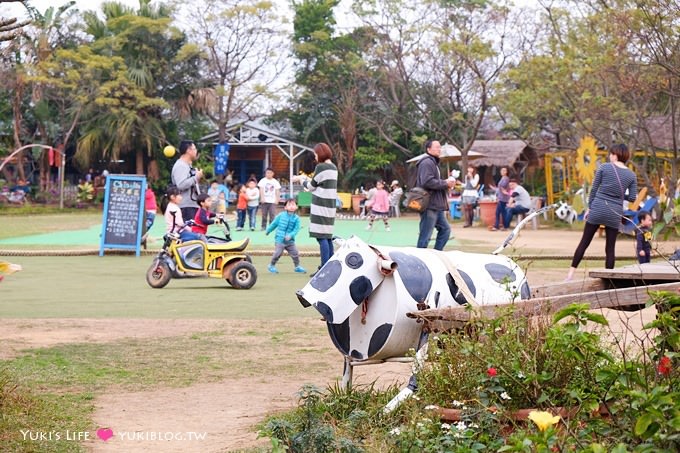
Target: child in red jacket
203, 216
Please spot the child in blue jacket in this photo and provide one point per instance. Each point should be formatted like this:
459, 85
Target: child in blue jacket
644, 237
287, 225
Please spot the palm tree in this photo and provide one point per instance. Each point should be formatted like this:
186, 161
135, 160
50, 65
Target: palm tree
128, 119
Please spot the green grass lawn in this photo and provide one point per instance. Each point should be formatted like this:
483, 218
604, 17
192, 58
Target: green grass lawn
13, 226
82, 229
115, 287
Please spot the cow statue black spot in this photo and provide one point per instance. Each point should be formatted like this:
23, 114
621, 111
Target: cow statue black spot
364, 292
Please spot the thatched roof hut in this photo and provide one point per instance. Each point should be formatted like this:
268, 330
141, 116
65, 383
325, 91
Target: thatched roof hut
514, 154
503, 153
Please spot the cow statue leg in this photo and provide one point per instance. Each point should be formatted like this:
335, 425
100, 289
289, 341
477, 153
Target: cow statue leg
412, 386
347, 373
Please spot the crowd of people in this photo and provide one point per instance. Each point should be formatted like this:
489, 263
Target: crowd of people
613, 184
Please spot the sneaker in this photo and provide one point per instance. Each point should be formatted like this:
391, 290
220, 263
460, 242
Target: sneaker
387, 229
239, 229
369, 227
300, 270
252, 229
271, 268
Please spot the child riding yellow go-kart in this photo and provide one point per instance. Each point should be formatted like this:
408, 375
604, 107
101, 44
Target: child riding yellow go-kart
216, 258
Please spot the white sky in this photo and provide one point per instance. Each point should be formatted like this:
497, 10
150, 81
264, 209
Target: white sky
42, 5
341, 13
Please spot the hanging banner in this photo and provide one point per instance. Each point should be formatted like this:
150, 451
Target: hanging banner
221, 155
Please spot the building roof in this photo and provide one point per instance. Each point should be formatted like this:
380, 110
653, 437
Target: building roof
497, 152
253, 133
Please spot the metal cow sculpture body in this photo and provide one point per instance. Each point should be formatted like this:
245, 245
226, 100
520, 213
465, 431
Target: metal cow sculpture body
364, 292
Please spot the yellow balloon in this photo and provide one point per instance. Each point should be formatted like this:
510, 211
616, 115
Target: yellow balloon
169, 151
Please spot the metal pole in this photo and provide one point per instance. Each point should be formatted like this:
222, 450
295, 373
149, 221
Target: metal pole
62, 170
291, 157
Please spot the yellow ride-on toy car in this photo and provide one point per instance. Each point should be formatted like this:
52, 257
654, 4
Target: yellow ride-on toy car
217, 258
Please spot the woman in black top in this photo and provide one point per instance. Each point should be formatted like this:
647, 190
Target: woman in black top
605, 205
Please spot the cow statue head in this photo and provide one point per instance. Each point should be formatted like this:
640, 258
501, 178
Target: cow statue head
352, 274
565, 212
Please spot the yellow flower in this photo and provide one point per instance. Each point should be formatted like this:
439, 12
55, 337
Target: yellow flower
543, 420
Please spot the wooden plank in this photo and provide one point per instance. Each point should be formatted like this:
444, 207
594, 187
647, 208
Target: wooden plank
609, 298
649, 271
573, 287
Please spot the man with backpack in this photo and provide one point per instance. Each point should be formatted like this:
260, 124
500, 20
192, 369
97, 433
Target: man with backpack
429, 178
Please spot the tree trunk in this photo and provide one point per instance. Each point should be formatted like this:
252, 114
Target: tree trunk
139, 161
44, 165
154, 173
18, 120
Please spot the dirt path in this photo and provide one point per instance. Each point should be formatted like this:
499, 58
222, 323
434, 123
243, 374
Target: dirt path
225, 412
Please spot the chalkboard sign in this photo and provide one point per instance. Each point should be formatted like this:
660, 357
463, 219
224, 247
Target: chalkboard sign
123, 213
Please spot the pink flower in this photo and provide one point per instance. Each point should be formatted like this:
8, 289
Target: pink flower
664, 367
492, 372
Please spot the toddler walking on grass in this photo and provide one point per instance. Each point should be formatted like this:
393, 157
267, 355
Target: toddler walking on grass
379, 205
287, 226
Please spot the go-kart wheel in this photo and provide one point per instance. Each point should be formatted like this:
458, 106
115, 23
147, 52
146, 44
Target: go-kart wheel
158, 275
243, 275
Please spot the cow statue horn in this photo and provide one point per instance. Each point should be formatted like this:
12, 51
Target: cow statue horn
387, 266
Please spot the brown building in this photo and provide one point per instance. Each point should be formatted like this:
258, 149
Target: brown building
253, 147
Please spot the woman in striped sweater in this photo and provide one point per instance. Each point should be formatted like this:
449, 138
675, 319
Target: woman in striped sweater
324, 188
613, 183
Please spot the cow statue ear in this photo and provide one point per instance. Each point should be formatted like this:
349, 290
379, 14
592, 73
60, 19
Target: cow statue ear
360, 288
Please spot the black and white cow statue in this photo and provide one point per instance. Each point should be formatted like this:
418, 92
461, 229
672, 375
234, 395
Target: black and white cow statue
364, 293
566, 213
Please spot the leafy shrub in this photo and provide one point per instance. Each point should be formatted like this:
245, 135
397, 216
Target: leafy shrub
515, 362
614, 397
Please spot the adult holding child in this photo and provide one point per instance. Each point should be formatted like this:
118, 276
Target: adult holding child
613, 183
429, 178
324, 188
186, 178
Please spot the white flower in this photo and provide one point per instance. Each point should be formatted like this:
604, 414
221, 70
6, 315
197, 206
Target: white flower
497, 329
456, 403
415, 397
446, 426
419, 425
521, 375
461, 426
505, 396
474, 425
396, 431
430, 407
